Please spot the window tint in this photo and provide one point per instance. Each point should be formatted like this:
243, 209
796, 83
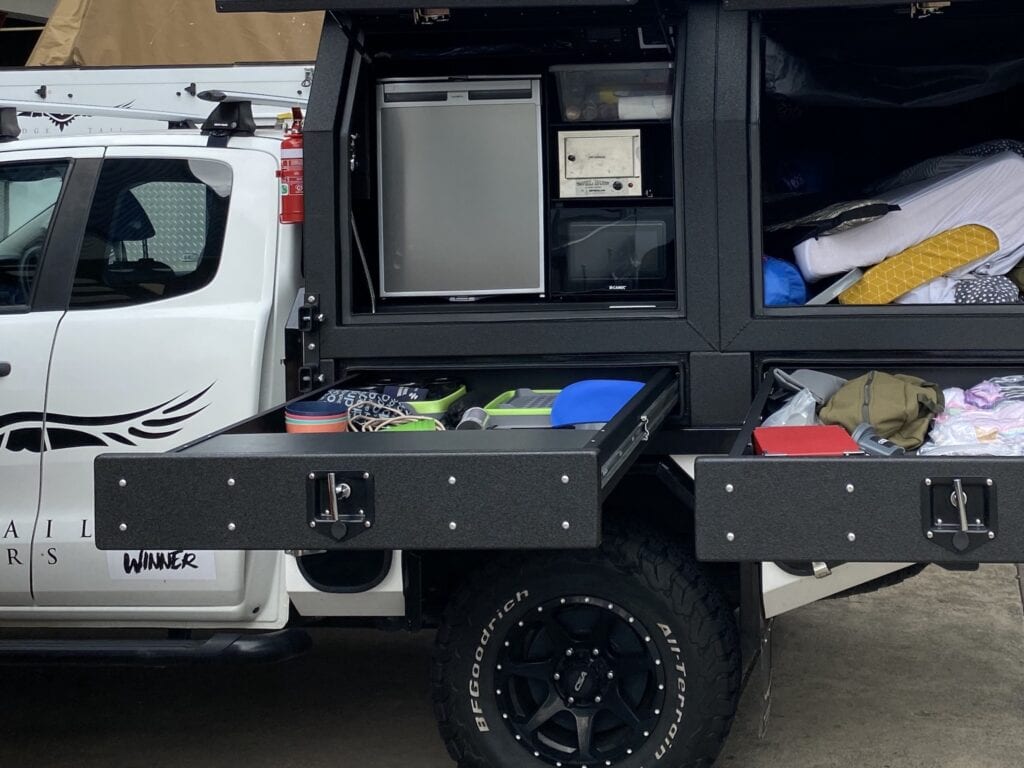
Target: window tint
28, 197
156, 230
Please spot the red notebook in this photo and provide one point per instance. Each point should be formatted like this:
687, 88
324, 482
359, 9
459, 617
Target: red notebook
804, 441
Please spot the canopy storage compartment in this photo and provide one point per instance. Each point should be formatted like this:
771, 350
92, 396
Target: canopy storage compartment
891, 156
519, 485
909, 508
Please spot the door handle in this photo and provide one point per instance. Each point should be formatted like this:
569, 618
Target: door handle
5, 369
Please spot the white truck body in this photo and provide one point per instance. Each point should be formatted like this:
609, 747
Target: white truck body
105, 372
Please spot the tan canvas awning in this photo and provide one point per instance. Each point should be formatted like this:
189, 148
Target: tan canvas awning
102, 33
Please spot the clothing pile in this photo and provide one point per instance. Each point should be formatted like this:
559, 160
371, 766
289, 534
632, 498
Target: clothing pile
948, 230
985, 420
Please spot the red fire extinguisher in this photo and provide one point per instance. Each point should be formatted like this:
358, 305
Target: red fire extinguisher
292, 204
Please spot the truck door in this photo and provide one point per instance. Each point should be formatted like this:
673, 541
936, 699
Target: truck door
163, 342
31, 187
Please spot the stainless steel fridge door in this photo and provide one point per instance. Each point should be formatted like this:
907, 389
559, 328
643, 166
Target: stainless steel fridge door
461, 187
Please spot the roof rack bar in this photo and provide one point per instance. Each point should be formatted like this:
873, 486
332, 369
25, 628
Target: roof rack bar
262, 99
94, 110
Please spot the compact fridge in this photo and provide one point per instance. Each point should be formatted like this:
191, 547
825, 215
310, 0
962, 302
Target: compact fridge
461, 187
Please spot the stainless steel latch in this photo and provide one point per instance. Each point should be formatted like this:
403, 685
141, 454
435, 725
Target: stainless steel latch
959, 514
340, 503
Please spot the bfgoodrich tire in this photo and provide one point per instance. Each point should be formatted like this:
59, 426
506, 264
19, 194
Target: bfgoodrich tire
625, 656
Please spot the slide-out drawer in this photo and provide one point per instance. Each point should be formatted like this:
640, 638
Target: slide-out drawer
256, 487
859, 508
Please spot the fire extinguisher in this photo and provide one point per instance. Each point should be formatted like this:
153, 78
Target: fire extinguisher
292, 202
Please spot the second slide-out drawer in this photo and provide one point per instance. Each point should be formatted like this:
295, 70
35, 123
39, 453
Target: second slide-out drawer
859, 508
254, 487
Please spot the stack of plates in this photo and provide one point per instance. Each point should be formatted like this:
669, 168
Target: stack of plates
316, 416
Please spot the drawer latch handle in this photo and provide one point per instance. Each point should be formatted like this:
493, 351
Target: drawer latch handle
959, 514
339, 504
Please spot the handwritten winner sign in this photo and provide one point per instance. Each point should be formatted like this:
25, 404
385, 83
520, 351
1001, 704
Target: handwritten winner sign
162, 565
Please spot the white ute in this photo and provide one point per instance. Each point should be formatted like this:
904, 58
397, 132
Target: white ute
146, 284
145, 288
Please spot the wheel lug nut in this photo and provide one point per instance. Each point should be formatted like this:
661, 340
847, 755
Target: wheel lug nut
568, 652
611, 675
557, 676
597, 699
572, 700
596, 652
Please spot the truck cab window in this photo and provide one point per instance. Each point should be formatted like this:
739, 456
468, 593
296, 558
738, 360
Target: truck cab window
156, 230
28, 197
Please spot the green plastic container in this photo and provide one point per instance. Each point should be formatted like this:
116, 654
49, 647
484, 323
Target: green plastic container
521, 409
437, 408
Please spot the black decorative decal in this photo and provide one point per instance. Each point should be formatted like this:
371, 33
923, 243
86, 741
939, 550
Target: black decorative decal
63, 121
25, 431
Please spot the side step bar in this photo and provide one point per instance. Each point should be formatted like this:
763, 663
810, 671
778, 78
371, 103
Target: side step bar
223, 647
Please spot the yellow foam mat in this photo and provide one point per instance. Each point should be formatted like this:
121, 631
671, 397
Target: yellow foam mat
922, 263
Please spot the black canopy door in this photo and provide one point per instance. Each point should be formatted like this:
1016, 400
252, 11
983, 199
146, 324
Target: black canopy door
400, 5
786, 4
779, 5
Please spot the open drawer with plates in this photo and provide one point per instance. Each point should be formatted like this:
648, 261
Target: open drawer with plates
269, 484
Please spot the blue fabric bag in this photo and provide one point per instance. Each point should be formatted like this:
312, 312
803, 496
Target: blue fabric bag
784, 286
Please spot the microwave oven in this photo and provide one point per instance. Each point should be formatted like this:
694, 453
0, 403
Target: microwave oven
609, 252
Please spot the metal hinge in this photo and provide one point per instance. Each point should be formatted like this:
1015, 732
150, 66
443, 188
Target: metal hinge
431, 15
310, 315
310, 378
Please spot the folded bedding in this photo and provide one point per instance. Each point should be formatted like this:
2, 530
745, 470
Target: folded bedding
920, 264
987, 194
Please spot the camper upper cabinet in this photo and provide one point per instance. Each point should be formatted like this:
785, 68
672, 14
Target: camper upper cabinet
500, 165
891, 157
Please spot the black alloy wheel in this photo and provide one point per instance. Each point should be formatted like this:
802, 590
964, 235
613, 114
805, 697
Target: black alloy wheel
580, 682
625, 656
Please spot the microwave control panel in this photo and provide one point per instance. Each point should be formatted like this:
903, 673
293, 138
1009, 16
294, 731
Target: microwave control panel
599, 163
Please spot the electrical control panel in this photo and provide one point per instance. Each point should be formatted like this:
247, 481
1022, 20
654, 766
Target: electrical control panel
600, 163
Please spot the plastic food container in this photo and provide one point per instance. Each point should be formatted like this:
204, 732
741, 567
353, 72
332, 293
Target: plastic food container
521, 409
314, 416
615, 92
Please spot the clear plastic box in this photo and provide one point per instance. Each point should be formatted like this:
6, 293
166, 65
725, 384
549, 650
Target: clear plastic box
615, 92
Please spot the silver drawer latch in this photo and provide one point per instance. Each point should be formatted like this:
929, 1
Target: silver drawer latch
959, 514
339, 504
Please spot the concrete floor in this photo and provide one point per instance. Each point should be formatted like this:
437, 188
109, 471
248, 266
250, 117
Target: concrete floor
930, 673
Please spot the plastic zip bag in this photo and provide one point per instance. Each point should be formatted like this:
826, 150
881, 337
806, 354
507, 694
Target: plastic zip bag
800, 411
